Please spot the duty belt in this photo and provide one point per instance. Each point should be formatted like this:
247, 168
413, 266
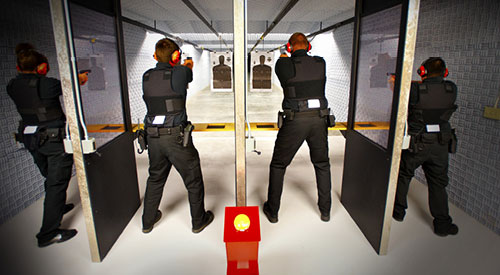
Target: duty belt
290, 115
169, 131
159, 131
440, 137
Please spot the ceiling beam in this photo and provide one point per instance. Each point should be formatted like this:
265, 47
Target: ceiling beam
205, 21
327, 29
332, 27
177, 38
276, 20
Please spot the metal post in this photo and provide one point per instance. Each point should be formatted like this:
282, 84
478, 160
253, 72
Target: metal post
61, 29
240, 86
406, 72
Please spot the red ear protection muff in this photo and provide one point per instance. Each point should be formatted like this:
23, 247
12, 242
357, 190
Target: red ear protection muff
17, 68
289, 47
421, 71
175, 57
42, 69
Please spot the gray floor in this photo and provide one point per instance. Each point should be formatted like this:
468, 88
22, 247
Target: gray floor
206, 106
299, 244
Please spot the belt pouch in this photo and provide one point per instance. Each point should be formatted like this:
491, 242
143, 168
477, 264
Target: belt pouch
54, 134
152, 132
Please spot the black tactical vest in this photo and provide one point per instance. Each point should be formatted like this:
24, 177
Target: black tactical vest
161, 99
436, 103
308, 83
34, 110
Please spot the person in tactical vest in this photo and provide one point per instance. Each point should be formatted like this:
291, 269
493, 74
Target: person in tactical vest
41, 131
169, 136
306, 117
432, 102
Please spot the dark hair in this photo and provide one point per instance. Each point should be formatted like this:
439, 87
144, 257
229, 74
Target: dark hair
298, 38
164, 49
23, 47
28, 60
435, 66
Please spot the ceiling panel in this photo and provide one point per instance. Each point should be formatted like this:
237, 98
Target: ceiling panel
175, 17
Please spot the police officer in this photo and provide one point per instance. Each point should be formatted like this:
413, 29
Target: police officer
304, 118
168, 136
41, 130
432, 102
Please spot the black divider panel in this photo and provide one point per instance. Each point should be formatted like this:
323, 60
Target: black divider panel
366, 194
113, 189
104, 6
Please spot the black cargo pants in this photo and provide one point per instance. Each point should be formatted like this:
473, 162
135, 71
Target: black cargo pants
165, 151
290, 137
56, 166
434, 161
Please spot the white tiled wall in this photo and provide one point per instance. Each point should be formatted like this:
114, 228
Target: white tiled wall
22, 21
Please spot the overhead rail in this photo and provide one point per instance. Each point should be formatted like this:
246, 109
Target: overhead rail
276, 20
332, 27
205, 21
154, 29
320, 31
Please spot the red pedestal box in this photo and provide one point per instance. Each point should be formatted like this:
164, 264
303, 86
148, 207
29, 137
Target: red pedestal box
242, 247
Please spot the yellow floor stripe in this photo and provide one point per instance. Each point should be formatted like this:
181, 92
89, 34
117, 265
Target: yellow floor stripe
255, 126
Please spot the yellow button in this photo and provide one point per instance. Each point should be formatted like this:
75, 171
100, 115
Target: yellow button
241, 222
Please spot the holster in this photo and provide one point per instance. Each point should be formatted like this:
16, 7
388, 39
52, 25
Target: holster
19, 135
452, 145
281, 118
187, 134
413, 144
329, 117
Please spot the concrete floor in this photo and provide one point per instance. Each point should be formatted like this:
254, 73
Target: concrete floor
298, 244
206, 106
